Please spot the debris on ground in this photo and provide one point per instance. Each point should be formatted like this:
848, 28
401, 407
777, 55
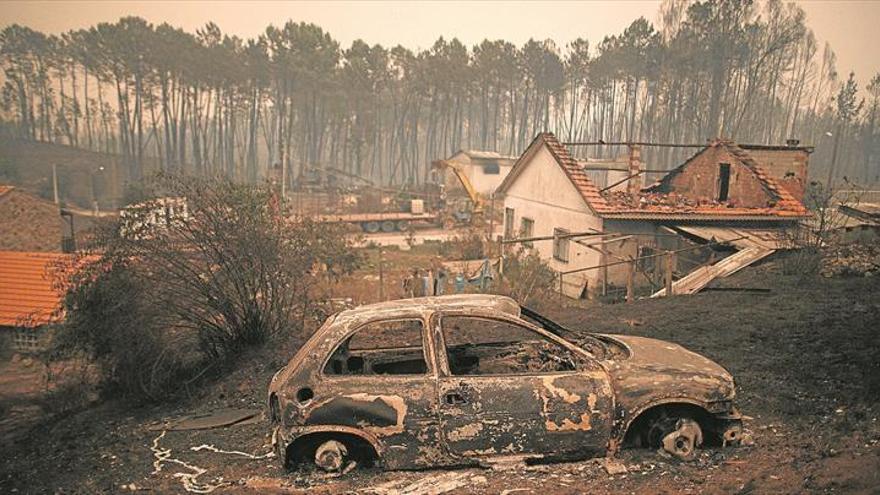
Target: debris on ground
614, 467
432, 484
851, 260
220, 418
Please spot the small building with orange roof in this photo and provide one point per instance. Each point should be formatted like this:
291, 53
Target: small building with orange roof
31, 296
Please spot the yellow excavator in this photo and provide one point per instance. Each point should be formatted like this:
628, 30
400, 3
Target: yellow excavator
456, 168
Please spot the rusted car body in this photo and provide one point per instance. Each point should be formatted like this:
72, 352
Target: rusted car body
455, 380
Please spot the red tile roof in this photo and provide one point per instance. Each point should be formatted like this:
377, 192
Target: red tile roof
584, 186
576, 174
29, 293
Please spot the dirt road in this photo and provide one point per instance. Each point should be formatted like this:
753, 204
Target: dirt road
806, 358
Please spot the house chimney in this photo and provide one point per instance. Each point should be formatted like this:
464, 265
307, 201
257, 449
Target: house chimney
792, 142
634, 185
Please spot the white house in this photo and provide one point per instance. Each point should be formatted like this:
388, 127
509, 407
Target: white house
547, 194
485, 169
721, 188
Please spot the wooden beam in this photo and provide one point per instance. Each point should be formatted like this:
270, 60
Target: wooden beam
621, 181
595, 233
630, 143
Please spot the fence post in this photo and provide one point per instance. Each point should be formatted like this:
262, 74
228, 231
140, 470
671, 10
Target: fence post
669, 268
381, 274
630, 279
500, 257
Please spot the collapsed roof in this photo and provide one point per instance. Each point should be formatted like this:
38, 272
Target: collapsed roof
670, 198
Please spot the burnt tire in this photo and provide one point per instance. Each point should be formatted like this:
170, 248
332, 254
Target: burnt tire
678, 434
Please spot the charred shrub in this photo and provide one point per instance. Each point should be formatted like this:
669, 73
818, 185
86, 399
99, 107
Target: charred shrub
527, 278
175, 294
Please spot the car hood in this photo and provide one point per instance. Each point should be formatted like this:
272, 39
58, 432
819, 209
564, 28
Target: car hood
656, 370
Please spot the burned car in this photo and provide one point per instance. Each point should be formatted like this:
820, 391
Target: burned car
454, 380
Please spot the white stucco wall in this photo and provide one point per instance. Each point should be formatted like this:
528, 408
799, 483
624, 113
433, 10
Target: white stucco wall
544, 193
484, 184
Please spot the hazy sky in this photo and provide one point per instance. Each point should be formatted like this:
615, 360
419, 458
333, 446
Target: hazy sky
849, 25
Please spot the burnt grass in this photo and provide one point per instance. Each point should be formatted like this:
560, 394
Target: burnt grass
805, 356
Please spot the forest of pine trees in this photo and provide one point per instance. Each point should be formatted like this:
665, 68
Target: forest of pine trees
209, 102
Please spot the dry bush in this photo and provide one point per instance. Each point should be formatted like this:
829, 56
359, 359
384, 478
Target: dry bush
469, 244
527, 278
163, 303
810, 241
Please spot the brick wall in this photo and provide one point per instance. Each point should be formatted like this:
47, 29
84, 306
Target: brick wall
699, 180
788, 167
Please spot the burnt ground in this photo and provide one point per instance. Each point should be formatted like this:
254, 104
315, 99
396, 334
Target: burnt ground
806, 357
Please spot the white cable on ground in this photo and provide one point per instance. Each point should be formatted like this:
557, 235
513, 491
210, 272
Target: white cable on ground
189, 480
232, 452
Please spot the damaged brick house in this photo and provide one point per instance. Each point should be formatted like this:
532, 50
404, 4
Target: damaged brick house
723, 197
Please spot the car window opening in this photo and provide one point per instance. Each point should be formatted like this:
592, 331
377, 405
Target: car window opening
381, 348
483, 346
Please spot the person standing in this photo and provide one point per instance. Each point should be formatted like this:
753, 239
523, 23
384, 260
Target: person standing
408, 281
429, 282
440, 282
418, 284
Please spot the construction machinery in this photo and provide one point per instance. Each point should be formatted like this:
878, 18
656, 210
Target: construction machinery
473, 195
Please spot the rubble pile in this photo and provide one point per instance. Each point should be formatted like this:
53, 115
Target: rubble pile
658, 201
859, 260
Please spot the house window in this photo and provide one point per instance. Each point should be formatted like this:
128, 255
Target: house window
723, 181
491, 169
526, 229
560, 245
29, 340
508, 223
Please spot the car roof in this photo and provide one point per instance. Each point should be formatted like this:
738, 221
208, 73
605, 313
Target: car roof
503, 304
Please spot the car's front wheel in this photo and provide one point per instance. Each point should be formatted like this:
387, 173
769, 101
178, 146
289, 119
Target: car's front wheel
677, 434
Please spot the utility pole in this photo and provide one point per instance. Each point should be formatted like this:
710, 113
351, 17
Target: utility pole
833, 158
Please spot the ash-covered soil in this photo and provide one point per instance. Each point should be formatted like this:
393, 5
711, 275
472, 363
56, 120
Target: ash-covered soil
806, 358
